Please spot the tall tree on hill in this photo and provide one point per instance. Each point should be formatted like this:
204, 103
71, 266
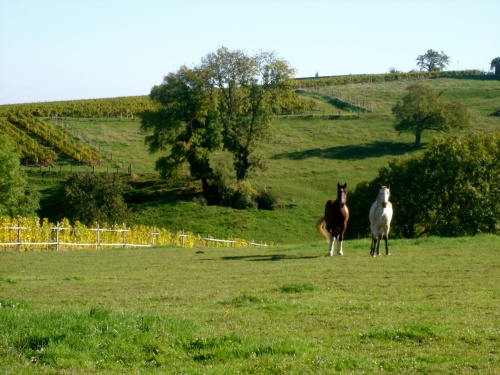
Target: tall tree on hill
433, 61
185, 124
495, 65
227, 102
248, 90
424, 109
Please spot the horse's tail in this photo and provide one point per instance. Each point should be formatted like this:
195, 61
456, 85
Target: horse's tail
320, 227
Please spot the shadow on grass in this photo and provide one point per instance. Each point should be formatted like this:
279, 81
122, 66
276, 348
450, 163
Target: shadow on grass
270, 257
340, 104
354, 152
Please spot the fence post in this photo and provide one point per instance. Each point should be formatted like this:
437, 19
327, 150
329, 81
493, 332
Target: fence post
99, 236
57, 236
182, 238
123, 234
18, 237
154, 236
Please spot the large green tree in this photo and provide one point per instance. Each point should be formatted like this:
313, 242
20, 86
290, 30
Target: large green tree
185, 124
227, 102
248, 91
424, 109
433, 61
15, 197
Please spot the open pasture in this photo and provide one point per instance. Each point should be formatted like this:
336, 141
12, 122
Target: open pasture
432, 307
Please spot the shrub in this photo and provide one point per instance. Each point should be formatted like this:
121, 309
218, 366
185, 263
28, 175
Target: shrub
450, 190
93, 198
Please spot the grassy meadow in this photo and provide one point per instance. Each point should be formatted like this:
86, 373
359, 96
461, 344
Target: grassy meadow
432, 307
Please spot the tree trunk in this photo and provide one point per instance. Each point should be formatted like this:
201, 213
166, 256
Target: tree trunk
418, 139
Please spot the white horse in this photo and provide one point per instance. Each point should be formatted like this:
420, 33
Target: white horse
380, 220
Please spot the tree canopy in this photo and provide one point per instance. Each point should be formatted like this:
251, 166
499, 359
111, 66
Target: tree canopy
424, 109
449, 190
94, 198
15, 198
227, 102
495, 65
433, 61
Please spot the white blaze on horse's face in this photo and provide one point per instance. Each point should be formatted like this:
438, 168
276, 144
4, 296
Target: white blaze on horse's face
383, 196
342, 194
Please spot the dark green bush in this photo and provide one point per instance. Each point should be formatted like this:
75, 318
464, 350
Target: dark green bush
450, 190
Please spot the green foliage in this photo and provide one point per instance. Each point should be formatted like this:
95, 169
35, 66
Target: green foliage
184, 124
94, 198
227, 102
422, 109
433, 61
224, 190
495, 65
247, 89
15, 198
450, 190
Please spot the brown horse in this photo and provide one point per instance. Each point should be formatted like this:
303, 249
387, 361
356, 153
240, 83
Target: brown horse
333, 223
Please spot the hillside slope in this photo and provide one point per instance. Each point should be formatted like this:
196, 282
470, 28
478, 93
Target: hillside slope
307, 156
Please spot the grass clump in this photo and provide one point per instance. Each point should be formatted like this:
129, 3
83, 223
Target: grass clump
297, 288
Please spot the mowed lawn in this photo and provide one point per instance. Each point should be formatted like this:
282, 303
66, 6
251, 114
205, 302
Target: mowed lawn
432, 307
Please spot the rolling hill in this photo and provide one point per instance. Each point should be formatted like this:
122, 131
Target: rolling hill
348, 138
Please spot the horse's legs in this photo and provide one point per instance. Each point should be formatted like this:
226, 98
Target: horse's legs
340, 239
386, 238
372, 247
378, 244
332, 245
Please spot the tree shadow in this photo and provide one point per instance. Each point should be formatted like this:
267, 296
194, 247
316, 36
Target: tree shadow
340, 104
352, 152
269, 257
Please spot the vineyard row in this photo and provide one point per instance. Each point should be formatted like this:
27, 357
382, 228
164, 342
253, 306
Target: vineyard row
26, 130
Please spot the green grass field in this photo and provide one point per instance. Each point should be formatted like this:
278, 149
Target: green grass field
432, 307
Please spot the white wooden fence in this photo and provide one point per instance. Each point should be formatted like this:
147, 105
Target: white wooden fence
55, 240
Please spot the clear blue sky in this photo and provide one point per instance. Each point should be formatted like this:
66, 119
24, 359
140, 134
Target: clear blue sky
79, 49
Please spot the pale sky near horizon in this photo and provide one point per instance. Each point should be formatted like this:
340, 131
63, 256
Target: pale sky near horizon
53, 50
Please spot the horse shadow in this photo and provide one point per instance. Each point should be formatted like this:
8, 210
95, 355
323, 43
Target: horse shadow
352, 152
269, 257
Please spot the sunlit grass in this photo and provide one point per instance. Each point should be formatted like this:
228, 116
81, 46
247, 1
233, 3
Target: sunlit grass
430, 307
